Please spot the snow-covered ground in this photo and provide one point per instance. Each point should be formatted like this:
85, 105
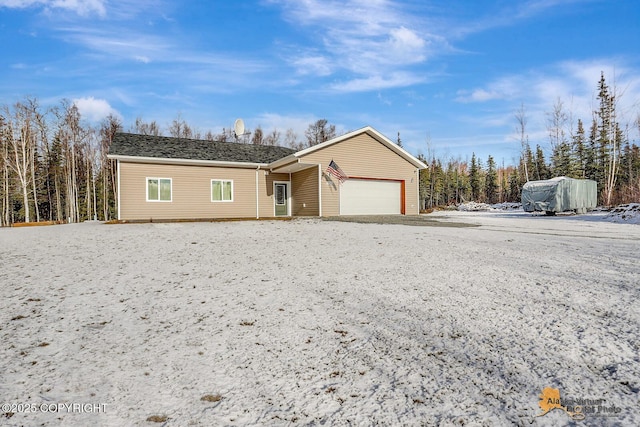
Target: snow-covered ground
311, 322
625, 214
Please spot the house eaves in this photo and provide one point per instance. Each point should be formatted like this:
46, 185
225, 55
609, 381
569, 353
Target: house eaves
369, 131
186, 162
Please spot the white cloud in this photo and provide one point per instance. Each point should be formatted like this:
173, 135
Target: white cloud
477, 95
93, 109
124, 44
120, 43
283, 122
574, 83
383, 100
505, 88
392, 80
623, 81
505, 14
406, 45
19, 4
142, 58
314, 65
375, 40
81, 7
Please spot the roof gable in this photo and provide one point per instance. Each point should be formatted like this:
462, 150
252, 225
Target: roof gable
369, 131
162, 147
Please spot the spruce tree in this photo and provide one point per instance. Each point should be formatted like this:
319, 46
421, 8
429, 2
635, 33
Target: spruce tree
504, 185
526, 166
437, 183
579, 151
474, 178
491, 181
514, 186
541, 169
626, 170
562, 160
591, 167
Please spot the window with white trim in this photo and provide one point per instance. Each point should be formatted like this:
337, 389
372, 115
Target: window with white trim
158, 189
221, 190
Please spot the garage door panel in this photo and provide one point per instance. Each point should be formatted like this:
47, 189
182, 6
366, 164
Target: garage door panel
370, 197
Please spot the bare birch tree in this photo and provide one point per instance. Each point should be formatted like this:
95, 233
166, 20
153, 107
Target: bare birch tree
180, 129
319, 132
41, 141
72, 137
610, 136
4, 160
44, 148
143, 128
108, 129
89, 157
258, 136
291, 140
21, 139
556, 123
273, 138
521, 128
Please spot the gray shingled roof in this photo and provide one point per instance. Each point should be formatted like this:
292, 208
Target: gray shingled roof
162, 147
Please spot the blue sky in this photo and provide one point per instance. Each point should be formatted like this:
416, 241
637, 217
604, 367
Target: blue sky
448, 75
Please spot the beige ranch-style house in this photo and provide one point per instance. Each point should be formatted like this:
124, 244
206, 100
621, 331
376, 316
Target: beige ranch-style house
162, 178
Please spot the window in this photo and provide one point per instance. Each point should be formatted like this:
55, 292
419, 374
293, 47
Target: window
158, 189
221, 190
281, 194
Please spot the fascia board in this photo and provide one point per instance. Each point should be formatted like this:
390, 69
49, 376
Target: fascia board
162, 160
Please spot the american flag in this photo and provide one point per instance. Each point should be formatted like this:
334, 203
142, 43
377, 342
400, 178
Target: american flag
335, 170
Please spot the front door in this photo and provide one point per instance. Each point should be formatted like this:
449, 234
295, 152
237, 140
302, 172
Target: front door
281, 198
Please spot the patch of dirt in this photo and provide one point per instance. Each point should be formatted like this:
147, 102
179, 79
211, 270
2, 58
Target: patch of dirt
417, 220
211, 398
157, 418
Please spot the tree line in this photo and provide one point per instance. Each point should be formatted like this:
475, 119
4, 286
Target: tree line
54, 165
317, 132
600, 150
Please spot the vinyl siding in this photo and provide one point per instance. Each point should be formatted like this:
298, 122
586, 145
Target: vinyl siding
190, 193
363, 156
305, 193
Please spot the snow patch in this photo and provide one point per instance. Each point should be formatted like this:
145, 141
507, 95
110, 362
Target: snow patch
507, 206
474, 207
623, 214
484, 207
629, 214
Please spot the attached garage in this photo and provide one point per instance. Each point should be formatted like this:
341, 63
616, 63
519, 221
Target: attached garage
371, 197
359, 173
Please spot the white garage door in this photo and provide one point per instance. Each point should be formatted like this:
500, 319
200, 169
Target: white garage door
369, 197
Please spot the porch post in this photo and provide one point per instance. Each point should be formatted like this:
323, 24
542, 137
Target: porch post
118, 166
257, 197
319, 189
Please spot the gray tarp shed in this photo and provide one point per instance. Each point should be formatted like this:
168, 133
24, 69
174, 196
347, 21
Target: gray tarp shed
560, 194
